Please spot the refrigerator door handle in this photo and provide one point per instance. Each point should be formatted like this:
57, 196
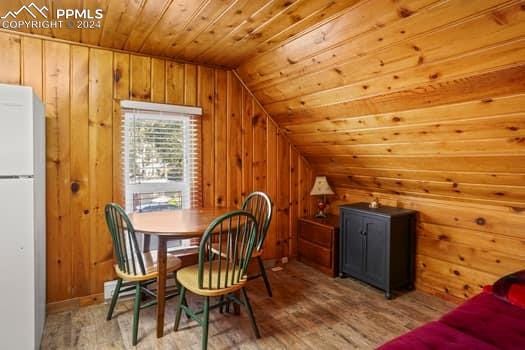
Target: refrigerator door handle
10, 177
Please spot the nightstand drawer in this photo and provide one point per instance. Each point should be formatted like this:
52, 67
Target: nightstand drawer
315, 253
318, 243
316, 234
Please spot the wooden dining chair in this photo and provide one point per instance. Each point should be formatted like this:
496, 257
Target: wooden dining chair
220, 275
259, 205
135, 269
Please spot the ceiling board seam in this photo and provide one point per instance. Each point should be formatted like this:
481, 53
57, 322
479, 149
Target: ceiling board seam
233, 30
104, 32
141, 9
408, 87
424, 171
273, 18
338, 44
102, 29
470, 154
426, 64
407, 142
304, 32
167, 5
205, 29
248, 34
120, 19
457, 22
453, 105
264, 24
290, 28
330, 158
190, 20
396, 127
311, 110
386, 156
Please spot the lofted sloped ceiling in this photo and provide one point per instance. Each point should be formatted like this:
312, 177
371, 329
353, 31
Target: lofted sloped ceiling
420, 97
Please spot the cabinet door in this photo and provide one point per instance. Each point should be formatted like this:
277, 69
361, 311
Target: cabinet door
375, 249
352, 244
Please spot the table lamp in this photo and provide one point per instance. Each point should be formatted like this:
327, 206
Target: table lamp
321, 188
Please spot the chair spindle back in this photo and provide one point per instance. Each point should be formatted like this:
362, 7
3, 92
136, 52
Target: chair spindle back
236, 233
259, 205
125, 245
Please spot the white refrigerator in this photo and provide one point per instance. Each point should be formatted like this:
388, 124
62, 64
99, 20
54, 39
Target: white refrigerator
22, 218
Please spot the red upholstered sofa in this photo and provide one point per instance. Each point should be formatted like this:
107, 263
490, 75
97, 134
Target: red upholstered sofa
485, 321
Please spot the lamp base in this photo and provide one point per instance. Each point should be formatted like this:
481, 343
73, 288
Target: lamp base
321, 205
321, 215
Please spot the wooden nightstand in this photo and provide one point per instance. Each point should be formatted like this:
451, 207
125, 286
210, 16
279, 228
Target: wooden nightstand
318, 243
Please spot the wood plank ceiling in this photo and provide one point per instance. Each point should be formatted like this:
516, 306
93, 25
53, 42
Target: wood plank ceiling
218, 32
418, 97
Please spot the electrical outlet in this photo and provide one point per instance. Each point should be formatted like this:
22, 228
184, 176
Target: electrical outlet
284, 260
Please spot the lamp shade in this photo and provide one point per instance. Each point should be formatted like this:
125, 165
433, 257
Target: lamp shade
321, 187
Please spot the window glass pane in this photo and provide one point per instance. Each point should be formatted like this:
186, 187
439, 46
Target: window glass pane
156, 201
161, 158
156, 153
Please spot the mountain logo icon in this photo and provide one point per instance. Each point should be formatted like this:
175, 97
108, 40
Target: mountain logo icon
31, 9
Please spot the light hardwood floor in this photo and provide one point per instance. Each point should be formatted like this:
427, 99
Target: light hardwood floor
308, 311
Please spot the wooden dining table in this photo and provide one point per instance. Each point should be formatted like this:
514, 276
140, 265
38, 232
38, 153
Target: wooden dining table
172, 225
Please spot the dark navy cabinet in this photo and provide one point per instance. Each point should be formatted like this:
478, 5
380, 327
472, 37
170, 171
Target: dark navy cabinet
377, 245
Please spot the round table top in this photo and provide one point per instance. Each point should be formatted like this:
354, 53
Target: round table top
184, 223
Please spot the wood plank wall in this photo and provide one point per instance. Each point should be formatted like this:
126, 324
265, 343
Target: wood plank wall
243, 149
421, 103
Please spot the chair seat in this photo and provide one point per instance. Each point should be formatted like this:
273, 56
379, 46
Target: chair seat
215, 249
188, 277
151, 266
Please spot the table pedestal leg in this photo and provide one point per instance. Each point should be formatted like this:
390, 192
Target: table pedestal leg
161, 285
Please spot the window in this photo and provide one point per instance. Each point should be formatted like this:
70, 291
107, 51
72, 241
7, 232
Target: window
161, 156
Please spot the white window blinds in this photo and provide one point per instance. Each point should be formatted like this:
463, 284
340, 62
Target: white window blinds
161, 156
